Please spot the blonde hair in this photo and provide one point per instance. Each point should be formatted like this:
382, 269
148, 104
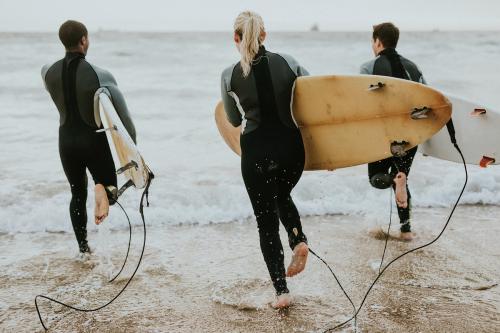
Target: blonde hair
250, 27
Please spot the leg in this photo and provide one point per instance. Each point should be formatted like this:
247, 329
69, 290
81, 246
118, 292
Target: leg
403, 164
380, 174
261, 190
287, 174
405, 214
403, 196
102, 167
77, 178
290, 218
288, 213
393, 171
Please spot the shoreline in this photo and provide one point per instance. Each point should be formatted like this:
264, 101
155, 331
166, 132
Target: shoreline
212, 278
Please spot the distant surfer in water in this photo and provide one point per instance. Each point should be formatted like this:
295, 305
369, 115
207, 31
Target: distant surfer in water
393, 171
256, 93
72, 83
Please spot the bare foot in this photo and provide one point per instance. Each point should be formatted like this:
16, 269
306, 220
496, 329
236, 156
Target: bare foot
282, 301
407, 236
401, 194
299, 259
101, 204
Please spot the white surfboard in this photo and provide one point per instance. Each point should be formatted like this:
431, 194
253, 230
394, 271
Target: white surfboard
122, 146
477, 130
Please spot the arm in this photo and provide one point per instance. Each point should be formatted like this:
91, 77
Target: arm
422, 79
368, 67
44, 71
364, 70
301, 71
294, 65
107, 80
232, 112
122, 110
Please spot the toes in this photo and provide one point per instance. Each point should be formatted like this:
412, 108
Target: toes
291, 271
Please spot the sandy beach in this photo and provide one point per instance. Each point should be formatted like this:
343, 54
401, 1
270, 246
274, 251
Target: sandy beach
212, 278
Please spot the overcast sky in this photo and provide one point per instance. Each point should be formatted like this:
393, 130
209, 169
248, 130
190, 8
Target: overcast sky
218, 15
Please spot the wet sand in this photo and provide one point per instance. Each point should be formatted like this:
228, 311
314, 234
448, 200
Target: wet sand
212, 278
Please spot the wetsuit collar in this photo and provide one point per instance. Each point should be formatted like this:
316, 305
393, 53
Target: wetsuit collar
262, 50
73, 55
397, 68
388, 51
261, 53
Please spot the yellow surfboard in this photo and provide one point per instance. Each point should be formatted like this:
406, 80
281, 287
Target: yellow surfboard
352, 120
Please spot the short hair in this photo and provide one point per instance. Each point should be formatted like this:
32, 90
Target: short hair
387, 33
71, 32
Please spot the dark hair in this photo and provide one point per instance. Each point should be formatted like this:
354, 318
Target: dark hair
387, 33
71, 32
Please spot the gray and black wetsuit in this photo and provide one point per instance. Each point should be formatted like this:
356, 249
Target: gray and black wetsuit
272, 152
381, 173
72, 83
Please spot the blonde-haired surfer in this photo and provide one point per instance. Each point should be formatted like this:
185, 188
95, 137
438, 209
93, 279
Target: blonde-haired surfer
256, 93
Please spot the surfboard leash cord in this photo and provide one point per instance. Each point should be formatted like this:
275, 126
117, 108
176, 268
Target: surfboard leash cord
451, 132
144, 196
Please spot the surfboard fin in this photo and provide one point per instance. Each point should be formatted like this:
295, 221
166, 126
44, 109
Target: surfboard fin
485, 161
128, 166
478, 112
114, 128
398, 148
376, 86
420, 113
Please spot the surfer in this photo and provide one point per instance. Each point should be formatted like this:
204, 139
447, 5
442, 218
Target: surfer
393, 171
256, 93
72, 83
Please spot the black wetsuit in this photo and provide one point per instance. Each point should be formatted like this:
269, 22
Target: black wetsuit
272, 159
72, 83
381, 173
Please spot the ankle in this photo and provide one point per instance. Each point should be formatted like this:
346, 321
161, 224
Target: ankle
405, 226
84, 248
296, 239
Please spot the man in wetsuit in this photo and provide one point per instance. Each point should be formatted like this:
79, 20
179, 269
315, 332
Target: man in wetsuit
393, 171
72, 83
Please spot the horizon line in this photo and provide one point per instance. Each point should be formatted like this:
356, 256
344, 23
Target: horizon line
230, 31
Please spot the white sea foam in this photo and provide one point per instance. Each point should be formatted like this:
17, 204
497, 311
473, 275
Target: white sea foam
171, 82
